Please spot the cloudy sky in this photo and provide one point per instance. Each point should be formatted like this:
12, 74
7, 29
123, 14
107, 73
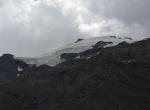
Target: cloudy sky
33, 27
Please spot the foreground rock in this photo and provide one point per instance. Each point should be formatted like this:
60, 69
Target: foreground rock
112, 78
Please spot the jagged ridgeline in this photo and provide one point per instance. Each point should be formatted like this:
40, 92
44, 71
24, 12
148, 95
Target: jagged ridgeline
106, 73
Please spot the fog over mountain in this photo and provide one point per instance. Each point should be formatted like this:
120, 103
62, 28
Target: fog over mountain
31, 27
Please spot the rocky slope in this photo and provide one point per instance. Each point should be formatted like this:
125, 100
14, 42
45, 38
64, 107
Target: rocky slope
100, 78
53, 58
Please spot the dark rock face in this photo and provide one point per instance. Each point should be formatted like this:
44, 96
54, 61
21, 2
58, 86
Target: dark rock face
101, 44
9, 67
78, 40
68, 56
7, 57
42, 72
113, 78
113, 36
128, 38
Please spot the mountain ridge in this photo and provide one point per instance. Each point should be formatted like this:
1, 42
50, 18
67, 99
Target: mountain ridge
111, 78
54, 58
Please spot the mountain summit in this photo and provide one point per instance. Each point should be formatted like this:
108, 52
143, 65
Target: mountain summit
106, 73
54, 58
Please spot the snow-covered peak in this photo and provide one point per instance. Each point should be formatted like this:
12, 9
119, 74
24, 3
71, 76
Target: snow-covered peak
53, 58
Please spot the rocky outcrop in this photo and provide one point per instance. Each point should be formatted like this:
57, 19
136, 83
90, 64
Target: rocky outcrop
9, 67
111, 78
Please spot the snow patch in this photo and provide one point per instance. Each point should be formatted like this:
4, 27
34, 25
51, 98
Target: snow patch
129, 61
20, 69
88, 57
78, 57
53, 58
18, 75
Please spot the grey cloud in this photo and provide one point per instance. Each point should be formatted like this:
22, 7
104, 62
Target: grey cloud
129, 12
45, 29
30, 28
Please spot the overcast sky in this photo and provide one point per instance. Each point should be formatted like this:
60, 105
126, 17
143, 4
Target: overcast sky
33, 27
